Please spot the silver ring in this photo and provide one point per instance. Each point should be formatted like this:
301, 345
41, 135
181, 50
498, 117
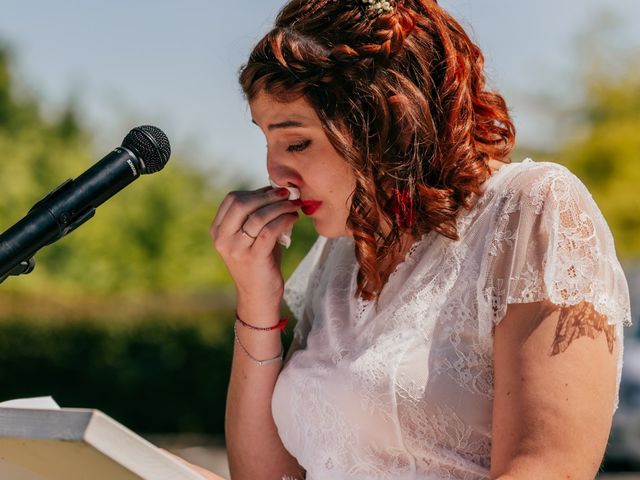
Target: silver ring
244, 232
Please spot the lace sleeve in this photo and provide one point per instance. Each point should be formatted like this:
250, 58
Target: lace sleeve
552, 242
296, 290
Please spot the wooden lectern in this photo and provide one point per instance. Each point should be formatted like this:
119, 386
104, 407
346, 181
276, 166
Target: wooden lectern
78, 444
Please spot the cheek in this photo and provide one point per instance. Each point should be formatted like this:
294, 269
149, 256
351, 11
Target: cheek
345, 180
338, 185
331, 174
339, 192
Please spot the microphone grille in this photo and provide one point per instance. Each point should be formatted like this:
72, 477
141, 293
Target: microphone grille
151, 145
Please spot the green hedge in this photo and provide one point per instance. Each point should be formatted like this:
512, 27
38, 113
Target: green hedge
157, 375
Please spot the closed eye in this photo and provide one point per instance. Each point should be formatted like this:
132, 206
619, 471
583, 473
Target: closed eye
300, 146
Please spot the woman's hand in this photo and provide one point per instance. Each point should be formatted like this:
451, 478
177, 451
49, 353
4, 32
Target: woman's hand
245, 233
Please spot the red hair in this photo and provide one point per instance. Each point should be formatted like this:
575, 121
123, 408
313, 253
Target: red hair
402, 97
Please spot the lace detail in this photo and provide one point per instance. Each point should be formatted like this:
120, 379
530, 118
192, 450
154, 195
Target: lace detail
504, 236
338, 433
444, 432
469, 366
303, 280
405, 391
566, 252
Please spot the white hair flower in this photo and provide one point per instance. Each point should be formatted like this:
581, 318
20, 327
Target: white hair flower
378, 7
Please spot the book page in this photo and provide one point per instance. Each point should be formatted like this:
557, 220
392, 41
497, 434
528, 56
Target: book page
40, 403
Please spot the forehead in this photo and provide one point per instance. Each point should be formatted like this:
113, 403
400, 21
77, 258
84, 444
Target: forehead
266, 110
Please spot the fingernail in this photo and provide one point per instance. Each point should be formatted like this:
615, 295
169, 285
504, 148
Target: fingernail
297, 203
282, 192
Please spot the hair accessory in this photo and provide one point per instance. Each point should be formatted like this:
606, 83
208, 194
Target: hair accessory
277, 358
378, 7
279, 326
402, 207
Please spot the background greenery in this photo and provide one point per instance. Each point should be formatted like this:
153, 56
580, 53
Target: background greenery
132, 313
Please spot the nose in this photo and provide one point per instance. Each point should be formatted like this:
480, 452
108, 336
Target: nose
283, 173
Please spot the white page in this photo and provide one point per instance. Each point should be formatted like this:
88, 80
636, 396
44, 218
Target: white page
40, 403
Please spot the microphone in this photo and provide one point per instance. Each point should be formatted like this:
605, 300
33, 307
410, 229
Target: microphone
144, 150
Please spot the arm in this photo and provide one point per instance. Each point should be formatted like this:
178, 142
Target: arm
245, 233
555, 382
208, 475
253, 445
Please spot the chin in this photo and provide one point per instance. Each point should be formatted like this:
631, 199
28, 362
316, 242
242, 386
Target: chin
331, 230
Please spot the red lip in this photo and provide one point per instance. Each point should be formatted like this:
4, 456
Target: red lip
310, 206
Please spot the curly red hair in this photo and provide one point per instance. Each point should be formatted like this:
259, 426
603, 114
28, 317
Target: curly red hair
402, 97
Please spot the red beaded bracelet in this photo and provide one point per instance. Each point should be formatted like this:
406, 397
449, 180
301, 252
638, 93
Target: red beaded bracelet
280, 326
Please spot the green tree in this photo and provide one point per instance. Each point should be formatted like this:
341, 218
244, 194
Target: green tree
604, 147
607, 156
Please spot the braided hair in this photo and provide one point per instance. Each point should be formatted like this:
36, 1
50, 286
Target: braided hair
401, 96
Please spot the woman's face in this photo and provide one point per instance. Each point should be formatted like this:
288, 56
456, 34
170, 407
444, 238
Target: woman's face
299, 154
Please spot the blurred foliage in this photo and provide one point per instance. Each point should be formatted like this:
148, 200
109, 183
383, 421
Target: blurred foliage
605, 152
155, 376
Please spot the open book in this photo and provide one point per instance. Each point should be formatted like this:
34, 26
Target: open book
41, 441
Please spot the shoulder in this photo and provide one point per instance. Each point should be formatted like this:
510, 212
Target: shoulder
531, 177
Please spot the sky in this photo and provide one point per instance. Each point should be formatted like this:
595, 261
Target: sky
174, 64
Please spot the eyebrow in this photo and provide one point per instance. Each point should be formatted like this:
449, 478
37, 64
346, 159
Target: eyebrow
285, 124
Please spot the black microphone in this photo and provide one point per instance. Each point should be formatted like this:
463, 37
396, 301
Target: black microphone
145, 149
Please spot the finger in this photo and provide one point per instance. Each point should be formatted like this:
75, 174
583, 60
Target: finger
268, 236
261, 208
246, 235
222, 211
258, 219
228, 202
243, 203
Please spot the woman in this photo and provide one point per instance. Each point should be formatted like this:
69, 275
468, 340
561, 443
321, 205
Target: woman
460, 316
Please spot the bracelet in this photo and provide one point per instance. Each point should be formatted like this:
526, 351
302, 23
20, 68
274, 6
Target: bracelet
277, 358
279, 326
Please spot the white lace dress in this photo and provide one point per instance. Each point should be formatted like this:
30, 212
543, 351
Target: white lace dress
405, 391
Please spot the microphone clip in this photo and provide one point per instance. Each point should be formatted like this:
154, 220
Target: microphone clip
24, 267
